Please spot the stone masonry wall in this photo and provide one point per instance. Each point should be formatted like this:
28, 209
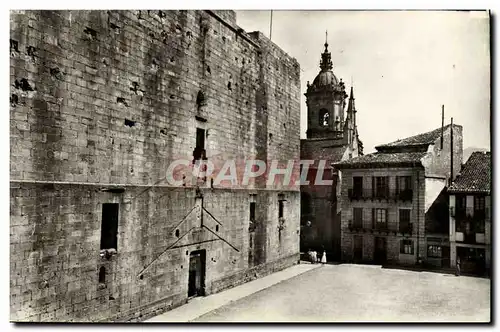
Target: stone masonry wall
439, 161
107, 99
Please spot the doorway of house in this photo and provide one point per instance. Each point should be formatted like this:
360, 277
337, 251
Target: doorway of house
196, 282
380, 254
358, 248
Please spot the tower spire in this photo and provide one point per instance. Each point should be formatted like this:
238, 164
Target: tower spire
326, 58
350, 106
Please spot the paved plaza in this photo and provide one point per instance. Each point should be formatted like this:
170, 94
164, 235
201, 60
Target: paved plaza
356, 293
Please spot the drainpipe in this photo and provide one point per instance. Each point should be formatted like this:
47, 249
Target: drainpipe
442, 125
418, 217
451, 153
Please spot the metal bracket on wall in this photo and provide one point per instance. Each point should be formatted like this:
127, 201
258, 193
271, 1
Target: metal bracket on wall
173, 245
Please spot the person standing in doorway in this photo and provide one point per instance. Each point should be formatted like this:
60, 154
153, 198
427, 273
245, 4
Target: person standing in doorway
323, 258
457, 272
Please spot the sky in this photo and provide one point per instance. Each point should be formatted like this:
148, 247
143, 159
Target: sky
403, 64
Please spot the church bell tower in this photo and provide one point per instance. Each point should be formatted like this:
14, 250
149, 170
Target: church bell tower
325, 99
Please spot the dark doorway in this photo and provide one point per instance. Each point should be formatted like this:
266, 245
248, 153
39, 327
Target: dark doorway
472, 260
358, 248
380, 254
446, 257
196, 282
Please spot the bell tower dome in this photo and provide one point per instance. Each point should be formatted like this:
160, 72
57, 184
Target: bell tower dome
325, 99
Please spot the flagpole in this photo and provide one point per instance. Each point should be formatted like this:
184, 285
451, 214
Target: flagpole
271, 26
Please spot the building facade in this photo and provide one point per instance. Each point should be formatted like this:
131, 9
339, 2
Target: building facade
470, 215
331, 136
102, 104
387, 198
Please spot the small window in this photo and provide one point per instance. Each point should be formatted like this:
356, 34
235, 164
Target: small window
109, 226
324, 117
358, 217
404, 220
479, 226
403, 183
199, 151
357, 182
407, 247
479, 203
281, 208
434, 251
380, 187
252, 211
102, 275
461, 201
200, 138
381, 216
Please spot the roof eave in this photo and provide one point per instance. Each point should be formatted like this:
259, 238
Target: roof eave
468, 191
395, 147
377, 165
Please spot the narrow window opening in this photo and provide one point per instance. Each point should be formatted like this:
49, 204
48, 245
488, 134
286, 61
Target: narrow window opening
129, 123
121, 100
358, 217
252, 211
216, 228
324, 117
14, 46
177, 232
199, 151
357, 187
102, 275
404, 221
109, 226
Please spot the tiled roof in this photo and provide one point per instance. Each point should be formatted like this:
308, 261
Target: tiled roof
421, 139
328, 152
475, 175
378, 159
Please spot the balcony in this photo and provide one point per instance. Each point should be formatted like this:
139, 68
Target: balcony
469, 213
378, 228
385, 227
369, 194
405, 195
358, 227
355, 225
462, 213
470, 237
358, 194
406, 228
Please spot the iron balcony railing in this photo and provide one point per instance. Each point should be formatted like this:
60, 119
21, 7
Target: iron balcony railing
370, 194
405, 228
372, 227
469, 213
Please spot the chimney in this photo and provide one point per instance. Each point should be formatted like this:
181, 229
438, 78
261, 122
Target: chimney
451, 152
442, 125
